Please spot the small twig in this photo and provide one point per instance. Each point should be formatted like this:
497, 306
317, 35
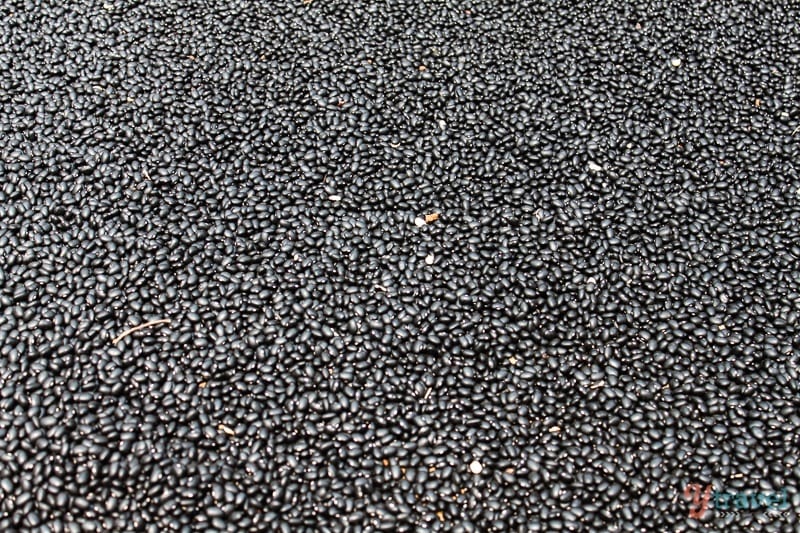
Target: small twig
795, 130
140, 326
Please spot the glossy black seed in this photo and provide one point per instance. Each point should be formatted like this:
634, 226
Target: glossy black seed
479, 266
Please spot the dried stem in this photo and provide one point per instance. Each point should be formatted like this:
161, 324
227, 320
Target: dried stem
140, 326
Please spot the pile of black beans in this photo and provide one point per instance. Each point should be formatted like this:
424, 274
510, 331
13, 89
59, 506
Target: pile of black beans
399, 265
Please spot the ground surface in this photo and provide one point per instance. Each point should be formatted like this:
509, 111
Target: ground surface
604, 312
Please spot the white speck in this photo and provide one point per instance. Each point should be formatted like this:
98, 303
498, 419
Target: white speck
419, 222
512, 360
475, 467
108, 7
555, 429
591, 281
594, 167
723, 298
675, 62
442, 125
335, 198
225, 429
429, 259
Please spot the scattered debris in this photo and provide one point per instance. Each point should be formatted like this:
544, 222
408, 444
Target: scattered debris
475, 467
225, 429
427, 219
140, 327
